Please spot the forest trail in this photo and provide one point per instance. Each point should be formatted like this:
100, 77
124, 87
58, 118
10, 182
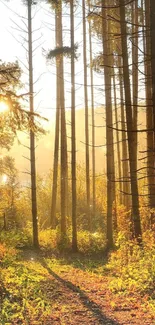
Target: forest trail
78, 295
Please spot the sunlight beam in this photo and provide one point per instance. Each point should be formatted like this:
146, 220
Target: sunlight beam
3, 107
4, 179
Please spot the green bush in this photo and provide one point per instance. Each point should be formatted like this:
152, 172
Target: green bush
133, 266
87, 243
91, 243
22, 299
16, 238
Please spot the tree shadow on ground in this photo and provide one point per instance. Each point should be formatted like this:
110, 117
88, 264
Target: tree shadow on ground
86, 301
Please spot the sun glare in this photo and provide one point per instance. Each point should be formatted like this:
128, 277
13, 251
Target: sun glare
4, 178
3, 107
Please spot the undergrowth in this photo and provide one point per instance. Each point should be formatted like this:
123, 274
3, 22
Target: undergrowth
87, 243
130, 269
133, 267
21, 299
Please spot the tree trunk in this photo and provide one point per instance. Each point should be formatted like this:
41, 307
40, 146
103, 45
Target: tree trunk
63, 129
93, 122
32, 136
86, 117
151, 110
73, 133
130, 133
135, 30
109, 131
118, 141
125, 157
56, 146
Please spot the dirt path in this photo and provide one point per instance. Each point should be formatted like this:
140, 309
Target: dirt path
78, 297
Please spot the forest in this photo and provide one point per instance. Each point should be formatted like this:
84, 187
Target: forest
77, 223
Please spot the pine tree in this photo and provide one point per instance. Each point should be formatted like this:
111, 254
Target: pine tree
130, 132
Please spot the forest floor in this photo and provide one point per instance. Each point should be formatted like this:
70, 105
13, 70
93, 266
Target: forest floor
77, 292
50, 288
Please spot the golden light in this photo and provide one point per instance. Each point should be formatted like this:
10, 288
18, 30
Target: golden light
4, 179
3, 107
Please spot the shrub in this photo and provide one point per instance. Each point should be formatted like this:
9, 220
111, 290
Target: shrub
22, 300
14, 238
91, 243
133, 266
87, 243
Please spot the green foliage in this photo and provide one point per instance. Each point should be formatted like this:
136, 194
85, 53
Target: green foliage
65, 51
7, 167
21, 296
23, 209
7, 255
14, 238
9, 191
48, 239
87, 243
25, 279
91, 243
23, 299
9, 82
16, 118
98, 63
57, 4
10, 74
23, 203
133, 267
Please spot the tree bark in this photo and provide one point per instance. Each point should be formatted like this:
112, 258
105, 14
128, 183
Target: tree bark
135, 30
86, 118
109, 131
125, 156
73, 133
93, 122
152, 33
32, 136
63, 137
149, 108
56, 145
131, 135
118, 141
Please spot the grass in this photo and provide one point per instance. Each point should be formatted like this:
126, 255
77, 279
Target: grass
28, 296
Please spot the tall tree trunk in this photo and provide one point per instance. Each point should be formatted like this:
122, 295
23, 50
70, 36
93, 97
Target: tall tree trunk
86, 117
125, 157
130, 133
150, 93
109, 131
93, 122
152, 33
32, 136
73, 133
56, 145
117, 140
149, 108
63, 129
135, 71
